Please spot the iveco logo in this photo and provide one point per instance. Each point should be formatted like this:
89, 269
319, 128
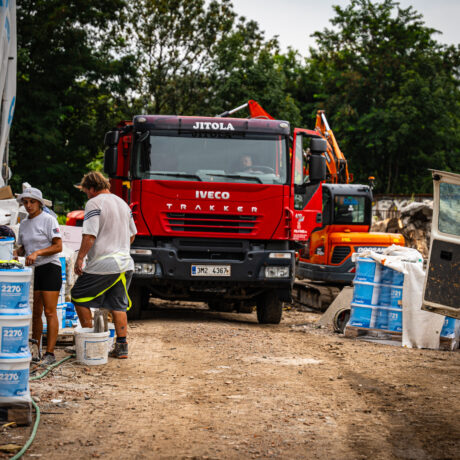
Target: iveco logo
212, 195
213, 125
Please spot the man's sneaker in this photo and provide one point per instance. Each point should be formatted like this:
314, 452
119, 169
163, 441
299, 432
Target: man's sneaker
48, 359
120, 351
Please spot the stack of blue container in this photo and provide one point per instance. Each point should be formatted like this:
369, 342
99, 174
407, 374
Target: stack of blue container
377, 299
67, 316
15, 317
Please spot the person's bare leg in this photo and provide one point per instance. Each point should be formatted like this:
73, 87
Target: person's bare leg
37, 323
85, 316
50, 300
120, 319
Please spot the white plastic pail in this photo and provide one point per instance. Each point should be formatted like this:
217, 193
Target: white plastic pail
14, 289
14, 378
91, 347
14, 334
6, 247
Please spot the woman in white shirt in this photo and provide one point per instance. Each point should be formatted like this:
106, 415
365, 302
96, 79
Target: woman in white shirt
40, 242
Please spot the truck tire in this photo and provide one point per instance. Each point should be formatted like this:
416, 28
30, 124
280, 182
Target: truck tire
269, 308
139, 296
221, 306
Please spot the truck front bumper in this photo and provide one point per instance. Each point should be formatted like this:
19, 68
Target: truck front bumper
245, 271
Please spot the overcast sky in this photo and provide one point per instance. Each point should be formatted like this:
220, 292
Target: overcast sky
294, 20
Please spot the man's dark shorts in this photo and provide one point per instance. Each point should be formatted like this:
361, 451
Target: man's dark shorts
88, 288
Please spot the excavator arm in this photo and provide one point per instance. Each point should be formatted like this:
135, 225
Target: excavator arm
335, 160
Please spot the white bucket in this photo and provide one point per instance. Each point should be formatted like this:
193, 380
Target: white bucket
14, 378
6, 247
14, 288
14, 334
91, 347
59, 317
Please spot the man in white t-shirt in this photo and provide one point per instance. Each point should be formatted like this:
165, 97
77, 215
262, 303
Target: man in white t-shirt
108, 231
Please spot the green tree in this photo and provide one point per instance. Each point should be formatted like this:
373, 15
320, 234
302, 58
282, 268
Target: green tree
174, 42
391, 92
70, 90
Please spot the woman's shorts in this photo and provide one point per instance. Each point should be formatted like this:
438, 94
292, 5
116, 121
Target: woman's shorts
48, 277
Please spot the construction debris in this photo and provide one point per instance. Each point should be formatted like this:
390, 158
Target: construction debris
414, 223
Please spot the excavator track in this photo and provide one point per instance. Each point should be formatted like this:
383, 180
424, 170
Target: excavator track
314, 294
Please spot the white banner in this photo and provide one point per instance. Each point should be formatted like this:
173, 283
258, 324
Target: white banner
8, 62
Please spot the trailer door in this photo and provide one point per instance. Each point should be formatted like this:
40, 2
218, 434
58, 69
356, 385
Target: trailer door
442, 282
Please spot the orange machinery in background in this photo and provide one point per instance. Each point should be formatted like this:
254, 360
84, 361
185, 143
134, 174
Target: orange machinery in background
345, 227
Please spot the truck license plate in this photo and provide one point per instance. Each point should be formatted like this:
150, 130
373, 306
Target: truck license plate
211, 270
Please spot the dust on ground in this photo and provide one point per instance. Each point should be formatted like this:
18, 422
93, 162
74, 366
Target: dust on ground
206, 385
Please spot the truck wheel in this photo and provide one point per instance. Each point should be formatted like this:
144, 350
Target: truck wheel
221, 306
269, 308
139, 296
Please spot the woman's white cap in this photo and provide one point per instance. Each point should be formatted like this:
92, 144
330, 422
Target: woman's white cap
33, 193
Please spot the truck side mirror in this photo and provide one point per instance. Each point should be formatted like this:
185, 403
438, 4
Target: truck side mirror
110, 160
111, 138
317, 168
111, 152
318, 146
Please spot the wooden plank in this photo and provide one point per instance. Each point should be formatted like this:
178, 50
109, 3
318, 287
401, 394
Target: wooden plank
20, 413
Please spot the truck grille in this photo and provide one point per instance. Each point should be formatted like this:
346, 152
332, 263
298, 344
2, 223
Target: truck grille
212, 223
339, 254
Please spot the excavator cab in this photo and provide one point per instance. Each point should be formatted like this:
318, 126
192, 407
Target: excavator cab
347, 205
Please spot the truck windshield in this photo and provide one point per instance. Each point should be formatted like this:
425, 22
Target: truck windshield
349, 209
247, 158
449, 208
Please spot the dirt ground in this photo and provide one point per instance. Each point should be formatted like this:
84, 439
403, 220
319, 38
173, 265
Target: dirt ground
206, 385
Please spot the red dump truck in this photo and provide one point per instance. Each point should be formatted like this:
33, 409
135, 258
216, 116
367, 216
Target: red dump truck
218, 204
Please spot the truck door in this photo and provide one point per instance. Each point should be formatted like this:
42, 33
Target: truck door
306, 196
442, 282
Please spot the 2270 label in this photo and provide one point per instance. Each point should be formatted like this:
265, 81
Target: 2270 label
211, 270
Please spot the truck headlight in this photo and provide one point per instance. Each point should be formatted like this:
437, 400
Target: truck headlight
276, 272
144, 269
142, 252
279, 255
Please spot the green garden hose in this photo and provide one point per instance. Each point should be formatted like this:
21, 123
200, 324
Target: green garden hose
37, 409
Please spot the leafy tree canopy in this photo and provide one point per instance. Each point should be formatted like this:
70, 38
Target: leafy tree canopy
392, 93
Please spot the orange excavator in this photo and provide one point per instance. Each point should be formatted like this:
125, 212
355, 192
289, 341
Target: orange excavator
325, 263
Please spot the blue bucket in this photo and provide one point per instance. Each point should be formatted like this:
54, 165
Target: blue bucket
381, 321
14, 289
387, 275
14, 334
362, 315
396, 296
367, 270
14, 377
398, 278
384, 296
365, 293
63, 268
394, 320
450, 327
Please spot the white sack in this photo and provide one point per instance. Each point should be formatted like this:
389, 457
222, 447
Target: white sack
421, 329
